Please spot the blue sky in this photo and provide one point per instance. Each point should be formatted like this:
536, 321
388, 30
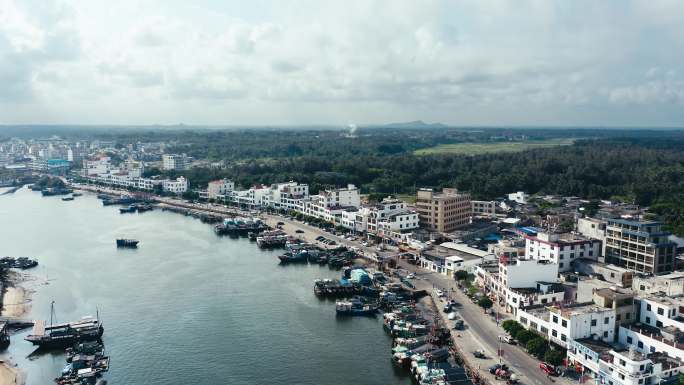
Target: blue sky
612, 63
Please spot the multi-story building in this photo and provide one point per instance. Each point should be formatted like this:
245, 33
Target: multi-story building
526, 282
174, 162
660, 327
641, 246
562, 249
592, 228
669, 284
563, 324
612, 364
217, 189
519, 197
443, 212
483, 208
177, 186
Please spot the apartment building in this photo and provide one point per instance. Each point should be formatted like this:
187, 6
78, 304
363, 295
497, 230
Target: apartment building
443, 212
174, 162
641, 246
613, 364
660, 327
526, 282
217, 189
483, 208
562, 249
567, 323
175, 186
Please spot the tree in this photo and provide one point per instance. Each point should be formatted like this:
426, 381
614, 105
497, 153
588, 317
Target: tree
536, 346
485, 303
524, 335
554, 357
512, 326
461, 275
472, 290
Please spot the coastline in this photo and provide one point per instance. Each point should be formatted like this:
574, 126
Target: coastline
16, 303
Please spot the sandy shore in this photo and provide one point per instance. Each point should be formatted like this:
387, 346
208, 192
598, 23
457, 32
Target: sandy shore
16, 302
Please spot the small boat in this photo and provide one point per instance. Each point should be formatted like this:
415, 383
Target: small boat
144, 207
129, 209
355, 307
71, 198
76, 194
131, 243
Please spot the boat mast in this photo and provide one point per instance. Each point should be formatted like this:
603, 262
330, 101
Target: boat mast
52, 311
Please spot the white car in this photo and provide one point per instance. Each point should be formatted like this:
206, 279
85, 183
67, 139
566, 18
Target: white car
439, 293
364, 244
411, 276
452, 316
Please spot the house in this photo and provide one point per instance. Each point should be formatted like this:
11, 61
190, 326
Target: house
562, 249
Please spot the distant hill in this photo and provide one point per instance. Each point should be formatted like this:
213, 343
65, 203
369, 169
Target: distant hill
414, 124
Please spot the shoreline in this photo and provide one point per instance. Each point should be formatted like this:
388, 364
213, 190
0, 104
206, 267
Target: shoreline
16, 303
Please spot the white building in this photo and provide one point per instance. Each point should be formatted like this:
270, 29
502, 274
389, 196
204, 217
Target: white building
562, 249
563, 324
615, 365
526, 282
519, 197
484, 208
669, 284
177, 186
174, 162
219, 189
592, 228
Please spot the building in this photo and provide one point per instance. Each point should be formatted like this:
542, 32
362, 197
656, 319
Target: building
526, 282
615, 275
660, 327
669, 284
567, 323
519, 197
562, 249
443, 212
177, 186
483, 208
218, 189
607, 363
174, 162
641, 246
592, 228
620, 300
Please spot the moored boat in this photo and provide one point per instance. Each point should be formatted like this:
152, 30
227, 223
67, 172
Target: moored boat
123, 242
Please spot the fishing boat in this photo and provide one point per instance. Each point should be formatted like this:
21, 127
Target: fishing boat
66, 334
129, 209
131, 243
355, 307
71, 198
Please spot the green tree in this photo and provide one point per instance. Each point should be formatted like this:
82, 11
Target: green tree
485, 303
511, 326
554, 357
461, 275
524, 335
536, 346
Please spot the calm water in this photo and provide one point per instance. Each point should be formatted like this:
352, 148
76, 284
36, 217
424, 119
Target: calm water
187, 307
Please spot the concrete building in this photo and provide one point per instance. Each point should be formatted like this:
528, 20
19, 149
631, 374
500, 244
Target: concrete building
174, 162
219, 189
607, 363
620, 300
669, 284
640, 246
177, 186
564, 324
483, 208
592, 228
562, 249
519, 197
443, 212
615, 275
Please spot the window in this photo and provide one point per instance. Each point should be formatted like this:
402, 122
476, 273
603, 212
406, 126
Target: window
652, 349
564, 323
554, 333
563, 338
623, 363
628, 315
560, 264
555, 319
593, 322
606, 320
618, 317
629, 340
640, 345
659, 324
648, 306
605, 334
661, 311
648, 320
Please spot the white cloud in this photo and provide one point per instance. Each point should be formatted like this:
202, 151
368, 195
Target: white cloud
306, 61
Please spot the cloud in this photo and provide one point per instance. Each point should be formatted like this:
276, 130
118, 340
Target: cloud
308, 61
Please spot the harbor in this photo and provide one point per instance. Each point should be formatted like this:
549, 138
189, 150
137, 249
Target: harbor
222, 292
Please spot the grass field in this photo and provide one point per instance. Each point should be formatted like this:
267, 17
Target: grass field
487, 148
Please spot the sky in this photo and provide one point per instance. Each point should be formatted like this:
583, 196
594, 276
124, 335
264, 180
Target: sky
304, 62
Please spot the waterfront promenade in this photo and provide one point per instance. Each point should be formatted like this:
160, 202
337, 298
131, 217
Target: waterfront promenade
481, 332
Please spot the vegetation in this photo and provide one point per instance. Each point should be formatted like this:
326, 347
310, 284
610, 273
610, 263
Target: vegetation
485, 303
536, 347
491, 147
461, 275
555, 357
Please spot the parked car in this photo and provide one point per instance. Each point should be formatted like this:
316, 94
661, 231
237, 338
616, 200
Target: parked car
299, 231
452, 316
479, 354
547, 368
411, 276
492, 369
364, 244
507, 339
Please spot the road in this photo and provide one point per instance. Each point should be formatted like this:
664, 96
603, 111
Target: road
481, 330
